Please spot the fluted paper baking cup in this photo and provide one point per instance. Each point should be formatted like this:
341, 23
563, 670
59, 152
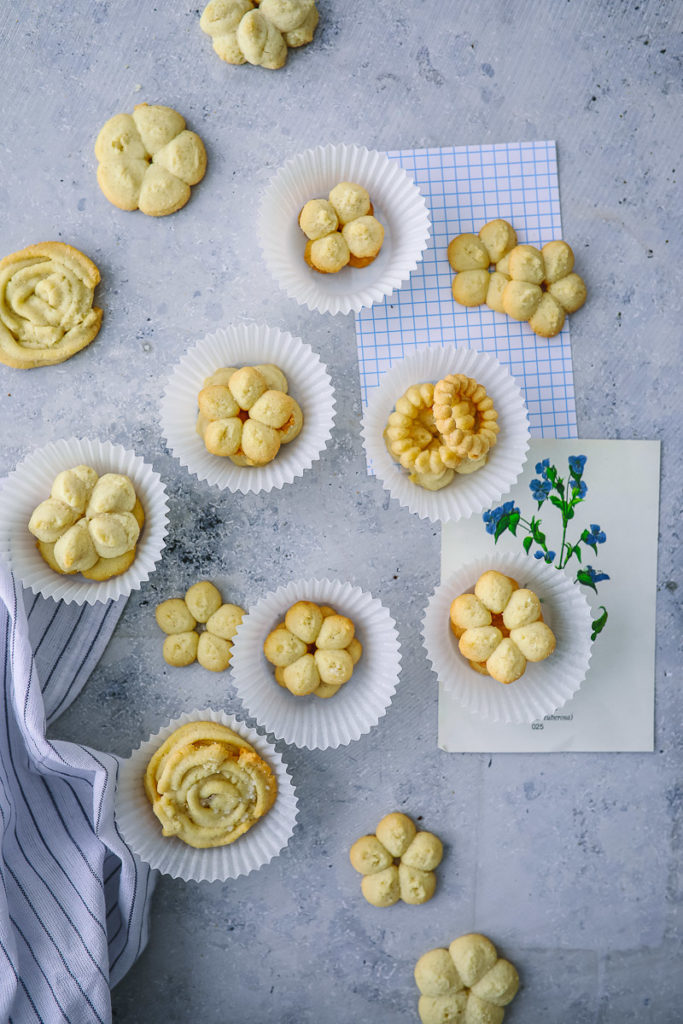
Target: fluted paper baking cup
467, 494
398, 206
31, 482
314, 722
546, 685
248, 345
141, 828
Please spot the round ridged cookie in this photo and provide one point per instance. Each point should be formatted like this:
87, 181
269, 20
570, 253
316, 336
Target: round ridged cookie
465, 416
46, 305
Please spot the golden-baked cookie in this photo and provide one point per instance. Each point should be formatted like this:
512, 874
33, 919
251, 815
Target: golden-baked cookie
182, 618
341, 230
258, 33
313, 651
89, 524
46, 305
465, 416
148, 160
208, 786
500, 627
397, 862
412, 438
537, 286
468, 983
247, 414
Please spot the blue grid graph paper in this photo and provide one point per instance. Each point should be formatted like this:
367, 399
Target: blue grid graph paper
464, 187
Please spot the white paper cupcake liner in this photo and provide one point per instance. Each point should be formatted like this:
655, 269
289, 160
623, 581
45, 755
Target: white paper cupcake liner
467, 494
31, 482
142, 831
311, 721
398, 206
248, 345
545, 685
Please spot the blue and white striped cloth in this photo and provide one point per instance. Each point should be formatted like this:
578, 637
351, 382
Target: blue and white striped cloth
74, 902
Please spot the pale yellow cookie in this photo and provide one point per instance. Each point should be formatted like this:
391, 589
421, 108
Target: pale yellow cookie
216, 402
213, 652
506, 663
113, 492
317, 218
364, 237
479, 643
368, 855
202, 600
470, 287
149, 160
521, 299
415, 886
396, 832
336, 632
435, 973
260, 41
465, 416
74, 487
494, 590
522, 608
173, 616
494, 294
113, 533
350, 201
247, 385
223, 437
50, 519
46, 305
282, 648
180, 649
382, 888
302, 676
75, 551
329, 254
526, 263
205, 790
499, 237
558, 259
468, 252
467, 612
535, 640
304, 620
335, 667
425, 852
225, 621
548, 320
569, 291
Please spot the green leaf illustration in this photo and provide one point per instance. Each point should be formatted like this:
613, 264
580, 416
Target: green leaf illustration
557, 502
526, 543
576, 550
584, 577
514, 520
599, 623
501, 526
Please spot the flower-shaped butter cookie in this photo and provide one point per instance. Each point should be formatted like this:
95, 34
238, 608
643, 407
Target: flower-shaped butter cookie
314, 650
89, 524
148, 160
260, 32
397, 862
179, 617
500, 627
341, 229
529, 284
468, 983
46, 305
247, 415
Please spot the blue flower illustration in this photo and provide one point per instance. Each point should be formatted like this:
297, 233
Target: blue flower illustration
596, 535
542, 466
538, 554
579, 489
549, 557
540, 489
596, 576
493, 515
576, 464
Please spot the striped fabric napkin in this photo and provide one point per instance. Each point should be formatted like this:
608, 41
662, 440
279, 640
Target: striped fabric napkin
74, 902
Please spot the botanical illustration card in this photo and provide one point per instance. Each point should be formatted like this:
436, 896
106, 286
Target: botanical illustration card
591, 510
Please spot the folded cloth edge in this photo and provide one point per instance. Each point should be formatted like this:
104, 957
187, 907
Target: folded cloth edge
70, 776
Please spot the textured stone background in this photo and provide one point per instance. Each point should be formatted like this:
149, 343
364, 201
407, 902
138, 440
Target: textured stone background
570, 862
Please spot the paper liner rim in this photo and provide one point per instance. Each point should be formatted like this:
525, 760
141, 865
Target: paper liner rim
142, 831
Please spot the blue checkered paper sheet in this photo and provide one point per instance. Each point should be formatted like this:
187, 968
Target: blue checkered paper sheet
464, 187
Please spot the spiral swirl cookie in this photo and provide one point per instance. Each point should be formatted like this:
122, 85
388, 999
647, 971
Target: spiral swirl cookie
246, 415
261, 32
467, 983
148, 160
46, 305
89, 524
464, 416
208, 786
313, 651
397, 862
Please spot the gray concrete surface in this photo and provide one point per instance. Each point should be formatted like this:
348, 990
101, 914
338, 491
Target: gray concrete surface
571, 863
